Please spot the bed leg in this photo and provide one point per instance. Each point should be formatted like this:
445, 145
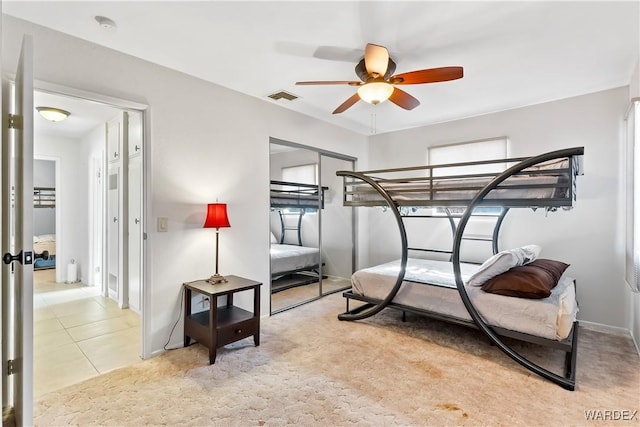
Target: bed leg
404, 316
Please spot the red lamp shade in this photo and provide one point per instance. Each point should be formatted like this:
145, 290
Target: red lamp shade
216, 216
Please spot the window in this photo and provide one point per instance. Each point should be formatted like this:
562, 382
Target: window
488, 149
303, 174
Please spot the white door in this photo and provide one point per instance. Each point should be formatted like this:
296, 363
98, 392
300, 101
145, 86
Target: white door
17, 240
113, 228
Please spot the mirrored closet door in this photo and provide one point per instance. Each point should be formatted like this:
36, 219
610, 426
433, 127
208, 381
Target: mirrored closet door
337, 228
312, 234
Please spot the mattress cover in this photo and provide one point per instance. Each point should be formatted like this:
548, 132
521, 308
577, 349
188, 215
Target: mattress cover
550, 318
292, 257
45, 242
466, 189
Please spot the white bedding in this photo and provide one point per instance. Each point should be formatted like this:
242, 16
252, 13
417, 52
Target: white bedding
550, 317
292, 257
44, 242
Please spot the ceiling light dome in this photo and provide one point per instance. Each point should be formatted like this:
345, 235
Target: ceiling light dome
53, 114
375, 92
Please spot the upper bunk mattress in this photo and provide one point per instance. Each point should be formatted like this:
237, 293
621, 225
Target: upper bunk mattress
550, 318
514, 187
285, 258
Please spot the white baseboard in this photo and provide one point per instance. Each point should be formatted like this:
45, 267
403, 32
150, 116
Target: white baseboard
607, 329
613, 330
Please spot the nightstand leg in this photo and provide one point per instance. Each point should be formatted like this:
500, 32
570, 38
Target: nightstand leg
187, 313
213, 329
256, 313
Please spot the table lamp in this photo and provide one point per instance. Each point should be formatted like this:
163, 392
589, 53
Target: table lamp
216, 218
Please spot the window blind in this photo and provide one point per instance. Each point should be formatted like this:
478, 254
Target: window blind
488, 149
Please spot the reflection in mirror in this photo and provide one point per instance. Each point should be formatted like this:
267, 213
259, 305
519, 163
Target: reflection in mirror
337, 228
294, 222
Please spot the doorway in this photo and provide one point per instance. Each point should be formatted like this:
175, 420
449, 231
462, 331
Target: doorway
79, 330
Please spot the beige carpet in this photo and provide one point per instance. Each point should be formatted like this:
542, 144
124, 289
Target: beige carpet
312, 369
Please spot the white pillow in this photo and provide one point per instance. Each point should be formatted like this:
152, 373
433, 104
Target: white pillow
273, 238
502, 262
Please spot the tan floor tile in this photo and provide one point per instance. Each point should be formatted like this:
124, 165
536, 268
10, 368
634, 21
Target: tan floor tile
101, 327
85, 305
112, 351
43, 344
64, 366
45, 326
88, 317
43, 313
106, 302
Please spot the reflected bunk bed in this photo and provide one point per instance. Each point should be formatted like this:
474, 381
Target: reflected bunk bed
293, 265
443, 290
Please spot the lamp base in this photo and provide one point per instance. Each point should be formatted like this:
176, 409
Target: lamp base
217, 278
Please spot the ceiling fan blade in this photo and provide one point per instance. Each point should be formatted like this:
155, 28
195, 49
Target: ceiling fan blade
347, 104
403, 99
376, 59
329, 82
431, 75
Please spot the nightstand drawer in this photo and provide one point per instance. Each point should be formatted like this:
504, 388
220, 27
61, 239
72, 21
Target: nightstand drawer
237, 331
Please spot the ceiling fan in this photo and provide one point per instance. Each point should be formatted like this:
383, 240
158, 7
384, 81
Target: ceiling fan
378, 84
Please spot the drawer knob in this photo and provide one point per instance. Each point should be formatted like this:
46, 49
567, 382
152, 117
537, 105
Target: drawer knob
238, 331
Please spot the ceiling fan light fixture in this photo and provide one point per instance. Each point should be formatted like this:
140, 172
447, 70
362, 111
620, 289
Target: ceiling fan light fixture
53, 114
375, 92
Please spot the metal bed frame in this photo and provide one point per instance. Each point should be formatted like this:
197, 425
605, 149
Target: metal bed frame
496, 181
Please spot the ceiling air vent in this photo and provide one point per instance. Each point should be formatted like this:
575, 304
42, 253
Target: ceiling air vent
283, 95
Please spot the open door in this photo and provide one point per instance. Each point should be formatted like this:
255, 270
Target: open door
17, 240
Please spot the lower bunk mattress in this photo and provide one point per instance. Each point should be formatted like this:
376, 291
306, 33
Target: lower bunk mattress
290, 258
430, 285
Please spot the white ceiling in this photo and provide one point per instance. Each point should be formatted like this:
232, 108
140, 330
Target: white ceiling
85, 115
513, 53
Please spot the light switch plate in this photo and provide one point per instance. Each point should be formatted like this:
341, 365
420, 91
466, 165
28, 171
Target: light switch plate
163, 224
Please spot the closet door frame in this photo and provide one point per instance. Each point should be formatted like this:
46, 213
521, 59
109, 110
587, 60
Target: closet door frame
320, 152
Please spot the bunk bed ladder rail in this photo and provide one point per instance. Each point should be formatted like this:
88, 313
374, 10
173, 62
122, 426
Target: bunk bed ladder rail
284, 227
369, 310
499, 218
567, 381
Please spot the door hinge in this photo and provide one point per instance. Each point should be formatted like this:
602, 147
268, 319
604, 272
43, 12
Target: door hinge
11, 367
14, 121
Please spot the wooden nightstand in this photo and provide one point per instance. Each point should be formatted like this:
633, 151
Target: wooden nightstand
223, 325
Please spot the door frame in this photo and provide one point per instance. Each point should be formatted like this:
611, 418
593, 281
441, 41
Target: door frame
124, 104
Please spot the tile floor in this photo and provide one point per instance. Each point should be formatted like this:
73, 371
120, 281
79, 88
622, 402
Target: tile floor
78, 334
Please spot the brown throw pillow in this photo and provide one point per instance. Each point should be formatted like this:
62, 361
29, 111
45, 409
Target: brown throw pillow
533, 280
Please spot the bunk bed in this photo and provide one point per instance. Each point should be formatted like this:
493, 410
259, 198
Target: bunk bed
452, 290
292, 263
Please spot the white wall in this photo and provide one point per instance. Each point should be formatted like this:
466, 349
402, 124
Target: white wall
206, 142
589, 237
93, 148
71, 242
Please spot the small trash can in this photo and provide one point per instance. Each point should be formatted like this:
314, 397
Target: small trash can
72, 272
